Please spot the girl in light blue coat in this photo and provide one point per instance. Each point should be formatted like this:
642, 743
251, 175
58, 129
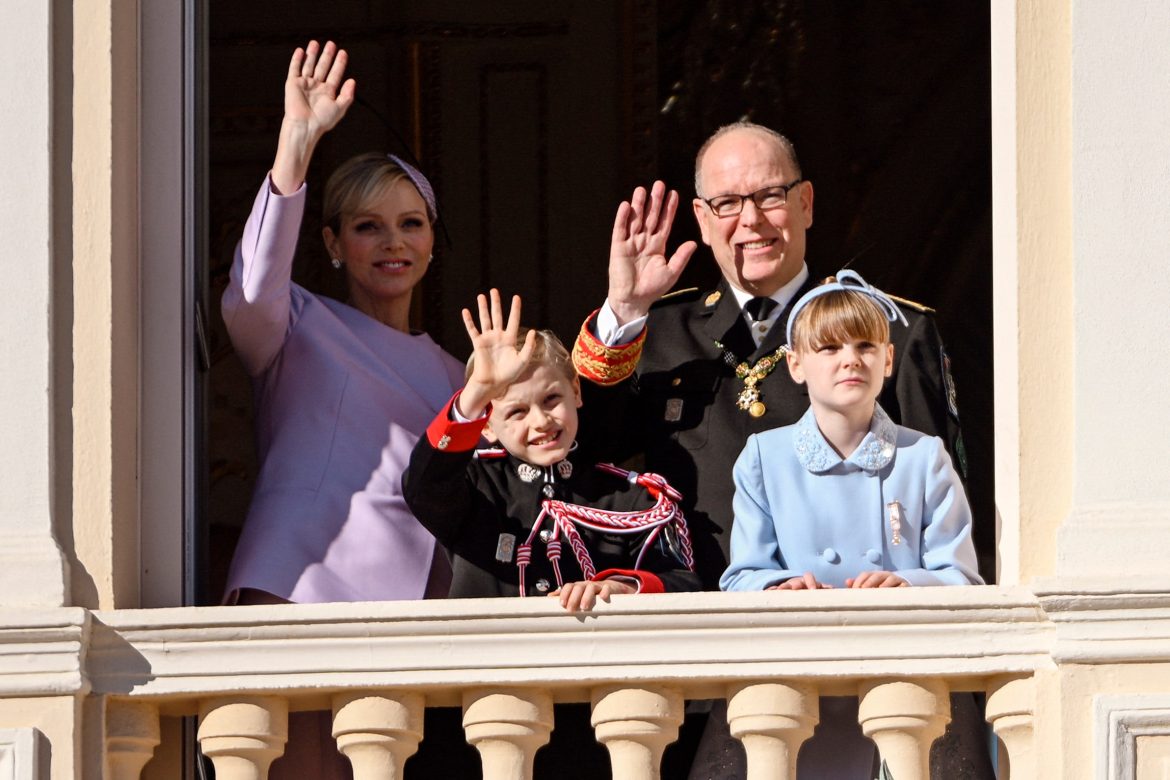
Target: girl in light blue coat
845, 497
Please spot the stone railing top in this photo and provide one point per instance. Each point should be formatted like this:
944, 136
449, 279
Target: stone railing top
698, 641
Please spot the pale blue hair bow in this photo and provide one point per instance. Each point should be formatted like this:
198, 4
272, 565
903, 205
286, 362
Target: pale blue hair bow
850, 281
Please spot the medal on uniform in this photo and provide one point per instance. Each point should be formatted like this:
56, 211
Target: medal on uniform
674, 407
505, 547
896, 519
753, 376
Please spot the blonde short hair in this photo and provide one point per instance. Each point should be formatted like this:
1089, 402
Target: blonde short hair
357, 182
549, 351
838, 317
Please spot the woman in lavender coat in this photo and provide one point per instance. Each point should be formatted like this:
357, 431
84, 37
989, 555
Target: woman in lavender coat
343, 390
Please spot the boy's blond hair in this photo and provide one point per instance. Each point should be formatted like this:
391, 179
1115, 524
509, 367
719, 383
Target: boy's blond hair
549, 351
839, 317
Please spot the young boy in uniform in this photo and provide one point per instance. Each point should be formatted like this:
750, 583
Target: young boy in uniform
533, 516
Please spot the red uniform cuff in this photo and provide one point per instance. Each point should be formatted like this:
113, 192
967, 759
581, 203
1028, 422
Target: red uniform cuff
450, 436
647, 582
601, 364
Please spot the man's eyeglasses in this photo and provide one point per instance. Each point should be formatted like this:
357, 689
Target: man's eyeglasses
766, 199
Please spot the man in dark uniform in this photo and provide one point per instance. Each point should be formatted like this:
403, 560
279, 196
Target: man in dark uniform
684, 380
704, 380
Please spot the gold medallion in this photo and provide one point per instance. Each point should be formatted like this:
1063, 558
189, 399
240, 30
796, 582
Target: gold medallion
753, 377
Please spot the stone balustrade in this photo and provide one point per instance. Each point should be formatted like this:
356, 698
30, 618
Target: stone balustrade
637, 661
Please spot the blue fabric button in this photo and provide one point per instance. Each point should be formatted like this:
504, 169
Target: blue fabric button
830, 555
873, 556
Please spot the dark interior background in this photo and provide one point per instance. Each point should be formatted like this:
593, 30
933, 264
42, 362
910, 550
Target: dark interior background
534, 119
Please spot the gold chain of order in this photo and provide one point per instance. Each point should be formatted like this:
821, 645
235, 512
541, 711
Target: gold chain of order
753, 376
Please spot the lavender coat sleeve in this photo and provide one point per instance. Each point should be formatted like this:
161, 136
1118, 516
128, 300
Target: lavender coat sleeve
256, 302
340, 401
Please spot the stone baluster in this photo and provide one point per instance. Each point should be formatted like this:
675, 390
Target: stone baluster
132, 734
507, 727
904, 718
243, 736
772, 720
1011, 711
636, 725
377, 733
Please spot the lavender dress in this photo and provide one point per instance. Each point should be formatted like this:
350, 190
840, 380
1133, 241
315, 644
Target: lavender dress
340, 401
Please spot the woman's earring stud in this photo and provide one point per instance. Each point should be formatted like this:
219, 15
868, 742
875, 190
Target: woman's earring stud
336, 262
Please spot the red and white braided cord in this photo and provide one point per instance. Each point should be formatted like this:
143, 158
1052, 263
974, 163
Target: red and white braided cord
664, 512
566, 518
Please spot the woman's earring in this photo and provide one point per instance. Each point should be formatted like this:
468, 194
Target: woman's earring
336, 262
429, 259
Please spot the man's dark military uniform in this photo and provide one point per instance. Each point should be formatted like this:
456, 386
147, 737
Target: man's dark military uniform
679, 409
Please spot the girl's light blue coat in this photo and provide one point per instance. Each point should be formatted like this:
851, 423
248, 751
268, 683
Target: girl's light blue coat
800, 508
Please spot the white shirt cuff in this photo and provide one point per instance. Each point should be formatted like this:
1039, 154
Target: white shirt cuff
612, 334
459, 418
632, 581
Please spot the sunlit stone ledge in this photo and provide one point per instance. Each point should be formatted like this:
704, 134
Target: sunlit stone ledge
700, 641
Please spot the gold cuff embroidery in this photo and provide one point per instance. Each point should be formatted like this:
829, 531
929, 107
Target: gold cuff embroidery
602, 364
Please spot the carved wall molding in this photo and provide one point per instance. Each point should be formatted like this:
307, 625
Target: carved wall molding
1118, 723
21, 755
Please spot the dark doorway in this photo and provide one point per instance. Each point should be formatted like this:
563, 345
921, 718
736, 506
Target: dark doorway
535, 119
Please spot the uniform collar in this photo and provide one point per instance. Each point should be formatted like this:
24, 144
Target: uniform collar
783, 297
527, 472
873, 454
723, 315
727, 325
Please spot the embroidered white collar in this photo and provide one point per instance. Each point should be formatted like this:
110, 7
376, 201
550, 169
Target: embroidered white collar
529, 473
873, 454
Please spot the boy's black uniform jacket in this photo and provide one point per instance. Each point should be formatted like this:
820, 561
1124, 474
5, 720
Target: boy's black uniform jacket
468, 502
678, 411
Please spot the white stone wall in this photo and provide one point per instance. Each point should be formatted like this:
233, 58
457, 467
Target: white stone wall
1120, 173
1121, 239
31, 566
